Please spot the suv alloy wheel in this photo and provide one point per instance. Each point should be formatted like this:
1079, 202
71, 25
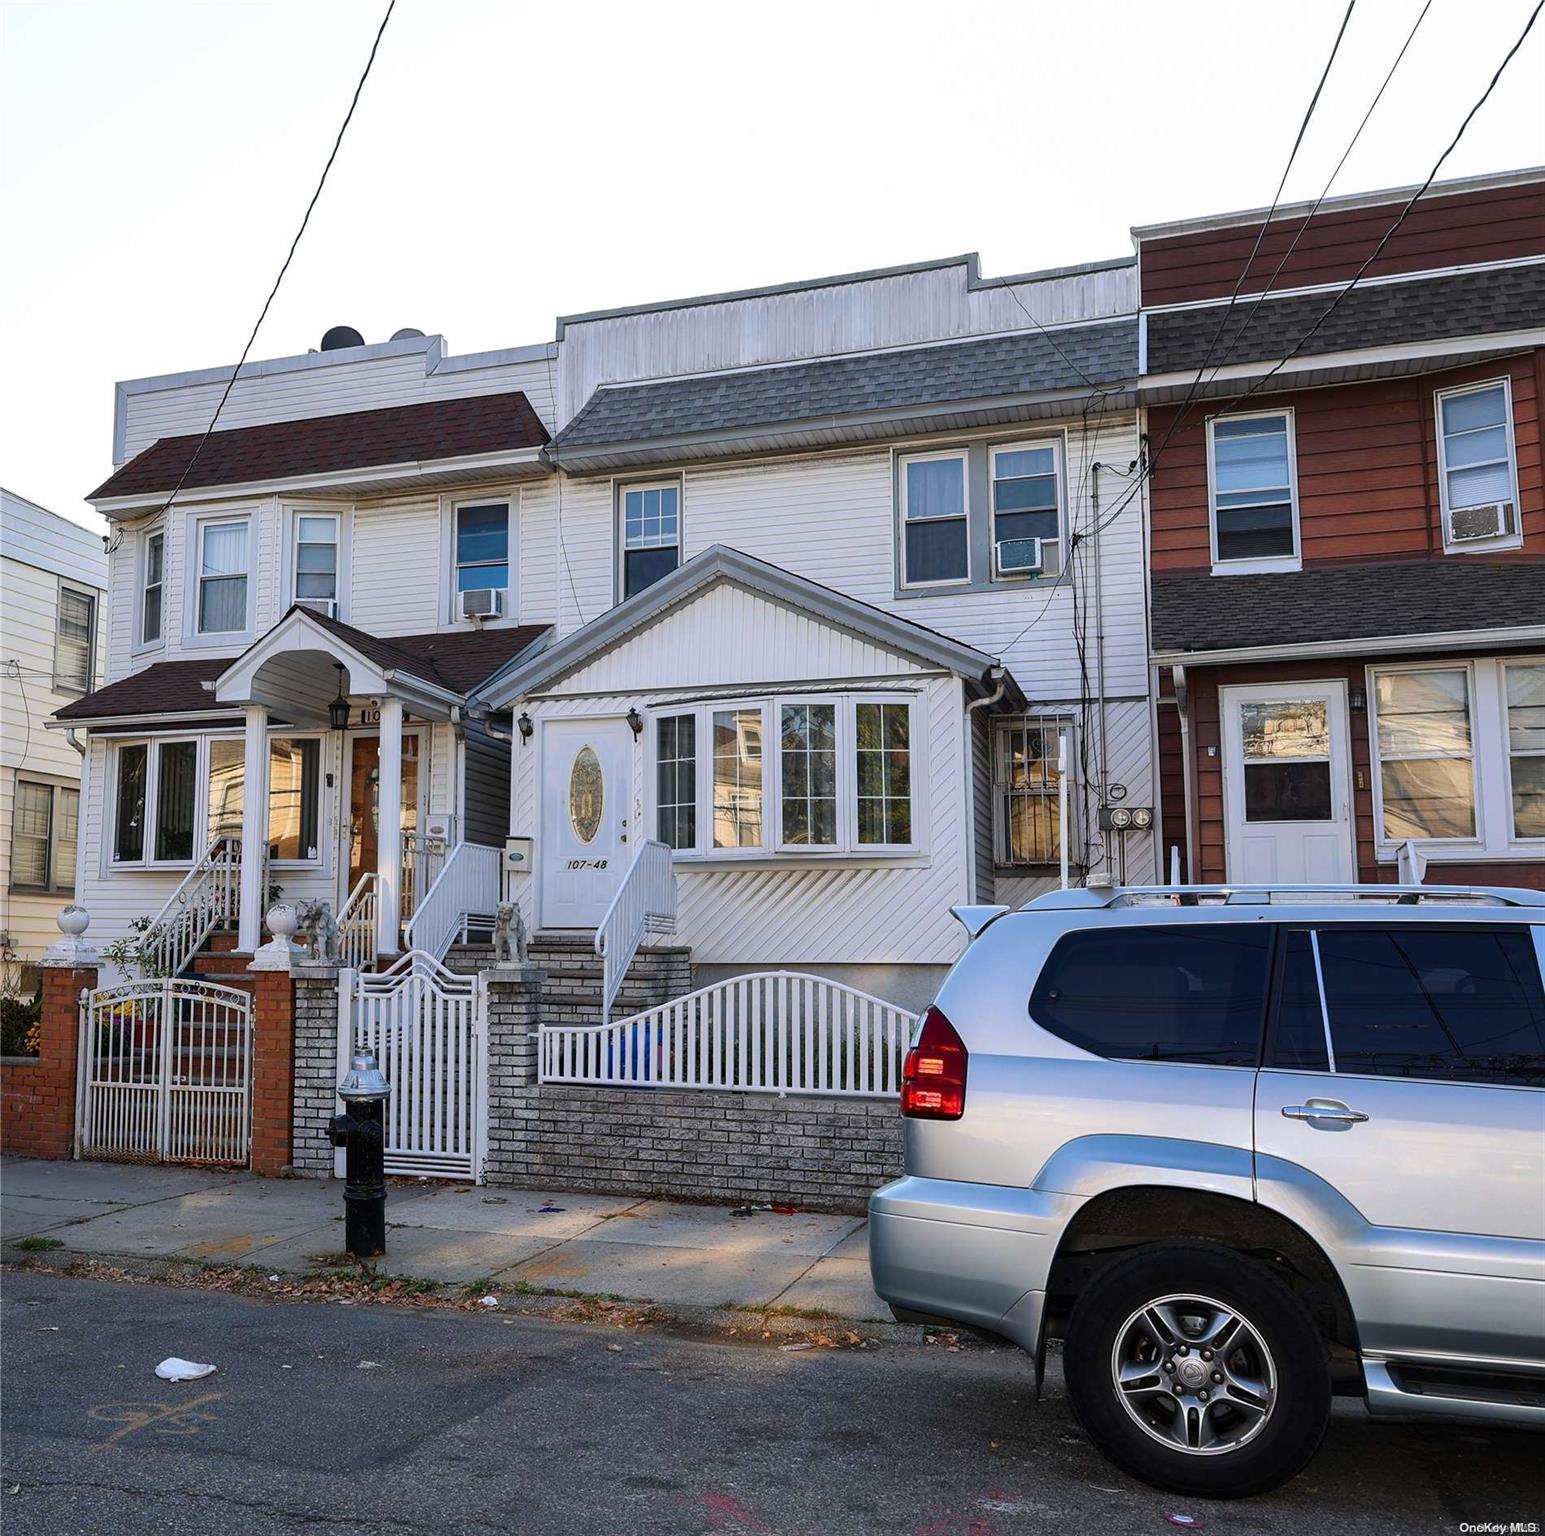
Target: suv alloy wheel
1196, 1369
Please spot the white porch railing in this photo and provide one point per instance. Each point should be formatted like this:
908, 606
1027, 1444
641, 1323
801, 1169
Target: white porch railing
645, 903
422, 860
768, 1032
210, 894
357, 939
466, 889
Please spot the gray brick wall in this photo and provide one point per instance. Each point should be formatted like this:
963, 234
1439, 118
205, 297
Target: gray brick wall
316, 1071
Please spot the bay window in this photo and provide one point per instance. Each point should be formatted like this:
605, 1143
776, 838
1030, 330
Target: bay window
222, 578
1524, 697
175, 796
934, 535
1425, 751
786, 776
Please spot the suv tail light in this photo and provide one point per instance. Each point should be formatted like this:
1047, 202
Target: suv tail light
933, 1077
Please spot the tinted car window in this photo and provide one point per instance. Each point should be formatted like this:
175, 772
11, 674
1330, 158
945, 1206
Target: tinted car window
1168, 993
1298, 1040
1462, 1004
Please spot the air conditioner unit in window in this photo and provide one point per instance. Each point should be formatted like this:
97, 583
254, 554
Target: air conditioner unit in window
325, 605
482, 603
1489, 521
1017, 557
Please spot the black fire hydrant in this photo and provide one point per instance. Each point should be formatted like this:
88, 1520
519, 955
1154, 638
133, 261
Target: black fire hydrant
361, 1132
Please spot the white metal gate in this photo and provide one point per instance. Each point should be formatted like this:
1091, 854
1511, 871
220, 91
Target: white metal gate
425, 1025
165, 1073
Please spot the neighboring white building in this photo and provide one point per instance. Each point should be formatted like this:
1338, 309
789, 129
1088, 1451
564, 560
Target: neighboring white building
807, 582
52, 626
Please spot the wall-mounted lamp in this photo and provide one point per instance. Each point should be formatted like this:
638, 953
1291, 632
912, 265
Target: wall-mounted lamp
338, 710
524, 726
635, 722
1357, 700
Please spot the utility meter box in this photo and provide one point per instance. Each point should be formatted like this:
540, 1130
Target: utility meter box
517, 855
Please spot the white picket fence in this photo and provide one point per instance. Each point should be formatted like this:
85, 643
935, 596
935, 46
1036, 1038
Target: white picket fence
767, 1032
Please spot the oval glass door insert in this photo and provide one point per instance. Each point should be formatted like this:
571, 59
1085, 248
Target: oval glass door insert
585, 794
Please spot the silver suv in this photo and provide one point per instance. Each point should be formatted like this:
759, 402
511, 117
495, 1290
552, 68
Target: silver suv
1243, 1149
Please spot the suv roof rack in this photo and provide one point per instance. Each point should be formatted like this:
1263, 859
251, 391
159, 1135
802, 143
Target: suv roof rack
1077, 897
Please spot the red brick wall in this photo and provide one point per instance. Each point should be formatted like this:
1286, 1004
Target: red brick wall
1501, 224
1367, 468
37, 1098
273, 1071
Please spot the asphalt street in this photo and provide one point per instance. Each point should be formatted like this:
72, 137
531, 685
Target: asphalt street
357, 1419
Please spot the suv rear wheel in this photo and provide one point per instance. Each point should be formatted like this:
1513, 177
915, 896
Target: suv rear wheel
1197, 1370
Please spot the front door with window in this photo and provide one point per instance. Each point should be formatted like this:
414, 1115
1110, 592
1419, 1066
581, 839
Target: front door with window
585, 813
364, 785
1288, 804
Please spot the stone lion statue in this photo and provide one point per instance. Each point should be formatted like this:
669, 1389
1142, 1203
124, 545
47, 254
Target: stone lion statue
319, 932
509, 935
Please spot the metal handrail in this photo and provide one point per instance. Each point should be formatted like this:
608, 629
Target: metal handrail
357, 922
467, 887
206, 896
645, 903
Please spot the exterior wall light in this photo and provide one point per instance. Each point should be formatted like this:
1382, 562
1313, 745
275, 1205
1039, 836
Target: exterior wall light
524, 726
635, 722
338, 710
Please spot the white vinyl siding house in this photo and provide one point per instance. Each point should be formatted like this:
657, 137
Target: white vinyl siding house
53, 638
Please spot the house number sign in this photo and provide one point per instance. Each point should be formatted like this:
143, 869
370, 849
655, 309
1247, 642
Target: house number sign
369, 714
586, 864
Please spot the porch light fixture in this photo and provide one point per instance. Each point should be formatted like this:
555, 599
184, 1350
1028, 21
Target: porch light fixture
338, 710
1357, 701
524, 726
635, 722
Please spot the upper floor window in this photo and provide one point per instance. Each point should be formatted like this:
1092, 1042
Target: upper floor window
1476, 473
152, 586
222, 578
935, 541
316, 561
483, 547
1253, 482
651, 535
1027, 780
44, 821
75, 638
1026, 508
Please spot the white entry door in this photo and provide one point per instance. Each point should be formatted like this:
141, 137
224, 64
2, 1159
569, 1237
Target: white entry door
1287, 797
586, 790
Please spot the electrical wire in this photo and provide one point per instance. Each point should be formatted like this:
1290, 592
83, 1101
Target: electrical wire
289, 257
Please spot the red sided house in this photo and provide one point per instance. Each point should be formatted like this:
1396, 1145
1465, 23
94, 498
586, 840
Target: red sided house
1348, 535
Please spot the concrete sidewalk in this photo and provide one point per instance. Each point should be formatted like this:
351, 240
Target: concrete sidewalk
644, 1250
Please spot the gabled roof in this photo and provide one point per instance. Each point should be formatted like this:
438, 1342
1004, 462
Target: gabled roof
1195, 612
1464, 304
720, 563
998, 377
311, 446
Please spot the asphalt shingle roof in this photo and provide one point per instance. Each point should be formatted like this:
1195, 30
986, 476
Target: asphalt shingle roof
1199, 612
458, 660
1023, 363
1465, 304
315, 445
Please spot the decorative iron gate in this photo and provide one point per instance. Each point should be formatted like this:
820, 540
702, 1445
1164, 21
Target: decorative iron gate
165, 1073
425, 1025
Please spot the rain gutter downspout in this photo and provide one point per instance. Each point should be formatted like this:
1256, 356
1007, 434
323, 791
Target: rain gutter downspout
999, 675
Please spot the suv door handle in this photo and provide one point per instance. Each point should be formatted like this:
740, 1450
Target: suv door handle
1324, 1109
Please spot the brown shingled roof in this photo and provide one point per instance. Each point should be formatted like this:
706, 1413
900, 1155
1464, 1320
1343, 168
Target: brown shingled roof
458, 661
317, 445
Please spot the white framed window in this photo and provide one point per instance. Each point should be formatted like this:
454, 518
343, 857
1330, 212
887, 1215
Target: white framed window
1477, 467
481, 539
75, 640
806, 775
45, 822
650, 521
152, 590
935, 533
222, 599
1027, 502
1424, 749
315, 569
1252, 482
174, 795
1523, 699
1026, 784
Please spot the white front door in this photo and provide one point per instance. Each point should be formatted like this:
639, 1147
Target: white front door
1287, 799
586, 790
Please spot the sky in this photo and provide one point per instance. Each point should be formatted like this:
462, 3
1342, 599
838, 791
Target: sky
511, 162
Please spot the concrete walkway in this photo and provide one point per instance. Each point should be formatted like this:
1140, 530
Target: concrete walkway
644, 1250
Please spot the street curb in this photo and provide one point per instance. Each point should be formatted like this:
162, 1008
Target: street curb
738, 1322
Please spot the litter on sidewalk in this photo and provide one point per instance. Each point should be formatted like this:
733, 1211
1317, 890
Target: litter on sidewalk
174, 1369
